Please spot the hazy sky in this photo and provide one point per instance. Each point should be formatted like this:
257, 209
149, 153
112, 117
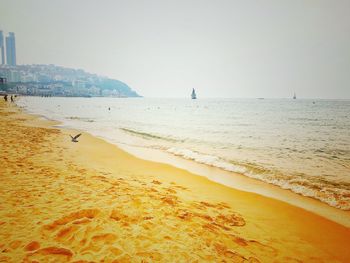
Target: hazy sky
165, 48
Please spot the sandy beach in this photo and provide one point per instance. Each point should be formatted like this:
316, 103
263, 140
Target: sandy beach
92, 202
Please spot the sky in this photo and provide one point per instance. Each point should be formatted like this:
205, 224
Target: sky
222, 48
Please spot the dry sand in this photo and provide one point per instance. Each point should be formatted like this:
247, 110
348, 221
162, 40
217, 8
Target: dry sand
91, 201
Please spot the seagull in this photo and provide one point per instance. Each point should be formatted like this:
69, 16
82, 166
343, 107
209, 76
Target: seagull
74, 139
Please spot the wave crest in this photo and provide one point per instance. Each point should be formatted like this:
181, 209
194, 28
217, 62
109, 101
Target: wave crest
333, 196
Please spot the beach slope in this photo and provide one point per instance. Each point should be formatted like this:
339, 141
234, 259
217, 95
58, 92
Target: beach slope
90, 201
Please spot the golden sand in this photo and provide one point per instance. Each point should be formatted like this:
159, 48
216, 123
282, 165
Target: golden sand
91, 201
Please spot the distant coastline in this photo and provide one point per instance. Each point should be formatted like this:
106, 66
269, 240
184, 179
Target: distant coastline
52, 80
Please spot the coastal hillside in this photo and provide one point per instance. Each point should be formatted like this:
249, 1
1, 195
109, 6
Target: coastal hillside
54, 80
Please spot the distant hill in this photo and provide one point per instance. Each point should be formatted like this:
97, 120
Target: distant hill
60, 81
113, 84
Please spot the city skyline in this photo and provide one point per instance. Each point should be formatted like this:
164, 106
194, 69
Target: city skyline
227, 49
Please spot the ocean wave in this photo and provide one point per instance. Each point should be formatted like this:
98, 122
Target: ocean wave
323, 190
80, 119
146, 135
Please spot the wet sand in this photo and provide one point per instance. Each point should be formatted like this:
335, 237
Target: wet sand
91, 201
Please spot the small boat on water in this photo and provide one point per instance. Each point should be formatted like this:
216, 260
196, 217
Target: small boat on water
295, 96
193, 95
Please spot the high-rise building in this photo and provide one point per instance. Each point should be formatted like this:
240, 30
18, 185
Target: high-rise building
2, 48
11, 49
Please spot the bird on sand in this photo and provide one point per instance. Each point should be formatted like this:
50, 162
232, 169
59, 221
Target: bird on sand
74, 139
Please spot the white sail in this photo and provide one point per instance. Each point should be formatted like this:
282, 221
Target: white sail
193, 95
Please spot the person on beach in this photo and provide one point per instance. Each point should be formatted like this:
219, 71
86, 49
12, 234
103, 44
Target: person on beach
12, 99
5, 97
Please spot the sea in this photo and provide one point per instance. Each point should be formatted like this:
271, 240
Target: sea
301, 145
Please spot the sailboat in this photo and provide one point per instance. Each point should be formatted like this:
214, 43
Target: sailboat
295, 96
193, 95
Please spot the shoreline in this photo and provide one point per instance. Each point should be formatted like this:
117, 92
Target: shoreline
92, 200
242, 183
227, 178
